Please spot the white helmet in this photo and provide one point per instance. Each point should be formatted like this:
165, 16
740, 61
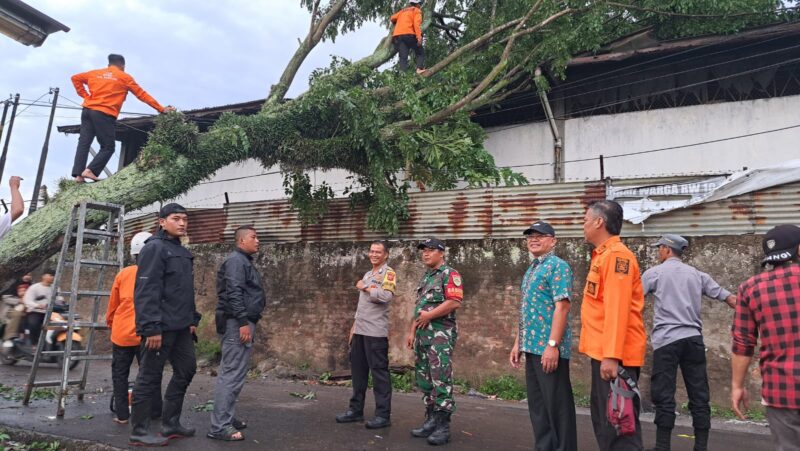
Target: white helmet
137, 242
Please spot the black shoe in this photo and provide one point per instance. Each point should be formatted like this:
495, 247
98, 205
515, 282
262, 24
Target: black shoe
441, 434
427, 427
377, 423
174, 429
349, 417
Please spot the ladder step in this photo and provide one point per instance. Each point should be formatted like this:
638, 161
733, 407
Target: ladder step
92, 263
90, 357
98, 233
75, 352
90, 293
86, 324
102, 206
54, 383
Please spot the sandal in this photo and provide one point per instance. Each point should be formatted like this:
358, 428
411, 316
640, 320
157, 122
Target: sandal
228, 435
118, 421
239, 424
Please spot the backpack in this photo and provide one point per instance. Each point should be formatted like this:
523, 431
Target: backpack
621, 412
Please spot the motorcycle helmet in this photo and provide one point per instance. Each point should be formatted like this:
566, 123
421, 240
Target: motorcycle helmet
137, 242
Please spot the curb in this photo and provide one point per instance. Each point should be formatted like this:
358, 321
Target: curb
65, 443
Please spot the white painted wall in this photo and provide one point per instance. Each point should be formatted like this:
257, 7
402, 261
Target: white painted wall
520, 147
641, 131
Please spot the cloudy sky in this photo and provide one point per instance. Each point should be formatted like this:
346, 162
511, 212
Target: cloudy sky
185, 53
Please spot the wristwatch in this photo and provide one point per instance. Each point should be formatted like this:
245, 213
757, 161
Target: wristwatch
552, 343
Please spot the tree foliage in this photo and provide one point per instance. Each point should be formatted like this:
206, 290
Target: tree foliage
390, 130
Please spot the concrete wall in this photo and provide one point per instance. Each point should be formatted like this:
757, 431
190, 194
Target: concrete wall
311, 300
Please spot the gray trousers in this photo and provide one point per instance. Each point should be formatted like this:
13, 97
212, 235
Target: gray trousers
231, 376
785, 427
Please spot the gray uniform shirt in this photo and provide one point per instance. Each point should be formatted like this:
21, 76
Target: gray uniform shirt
372, 315
678, 289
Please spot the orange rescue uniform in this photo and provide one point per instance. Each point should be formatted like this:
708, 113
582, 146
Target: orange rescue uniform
121, 316
108, 89
611, 314
408, 21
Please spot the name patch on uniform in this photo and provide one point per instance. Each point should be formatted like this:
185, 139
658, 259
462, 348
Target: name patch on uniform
622, 266
591, 288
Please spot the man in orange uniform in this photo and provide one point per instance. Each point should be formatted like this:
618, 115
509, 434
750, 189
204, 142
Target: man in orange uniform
612, 330
121, 319
108, 89
407, 34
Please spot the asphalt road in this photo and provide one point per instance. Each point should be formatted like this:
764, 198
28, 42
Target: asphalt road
279, 421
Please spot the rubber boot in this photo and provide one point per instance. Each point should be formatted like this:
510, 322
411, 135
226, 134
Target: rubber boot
140, 435
427, 427
441, 434
171, 421
701, 440
663, 438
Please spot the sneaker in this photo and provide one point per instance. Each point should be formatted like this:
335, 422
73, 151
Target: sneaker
8, 344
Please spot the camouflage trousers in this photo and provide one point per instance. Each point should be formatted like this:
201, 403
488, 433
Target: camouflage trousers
434, 370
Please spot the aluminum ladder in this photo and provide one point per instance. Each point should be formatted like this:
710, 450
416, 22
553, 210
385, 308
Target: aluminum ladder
84, 215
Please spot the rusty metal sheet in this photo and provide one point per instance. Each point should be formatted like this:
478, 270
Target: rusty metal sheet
206, 225
749, 213
274, 220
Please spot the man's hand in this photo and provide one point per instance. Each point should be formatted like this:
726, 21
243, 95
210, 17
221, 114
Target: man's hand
731, 301
608, 369
153, 343
244, 334
193, 330
169, 109
423, 320
514, 357
410, 340
740, 396
41, 306
550, 359
360, 285
13, 182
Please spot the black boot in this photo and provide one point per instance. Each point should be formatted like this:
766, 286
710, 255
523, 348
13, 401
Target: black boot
663, 438
441, 434
171, 426
701, 440
427, 427
141, 436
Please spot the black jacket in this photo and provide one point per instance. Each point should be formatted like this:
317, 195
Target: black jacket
164, 294
239, 289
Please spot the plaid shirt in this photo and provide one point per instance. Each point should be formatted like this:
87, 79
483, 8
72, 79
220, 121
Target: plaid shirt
768, 306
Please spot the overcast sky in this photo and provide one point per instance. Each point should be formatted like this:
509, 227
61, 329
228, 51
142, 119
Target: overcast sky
185, 53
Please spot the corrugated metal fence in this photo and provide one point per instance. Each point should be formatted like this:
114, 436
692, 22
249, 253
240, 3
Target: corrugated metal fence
490, 213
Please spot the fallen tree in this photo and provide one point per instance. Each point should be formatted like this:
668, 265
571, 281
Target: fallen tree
388, 129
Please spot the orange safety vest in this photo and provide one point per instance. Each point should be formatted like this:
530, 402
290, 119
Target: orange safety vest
121, 316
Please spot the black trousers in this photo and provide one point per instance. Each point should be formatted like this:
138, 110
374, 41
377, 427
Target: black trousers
121, 360
605, 434
551, 405
34, 322
177, 348
94, 124
371, 354
690, 355
405, 43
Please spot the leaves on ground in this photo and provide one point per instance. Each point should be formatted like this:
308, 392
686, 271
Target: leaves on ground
311, 395
207, 407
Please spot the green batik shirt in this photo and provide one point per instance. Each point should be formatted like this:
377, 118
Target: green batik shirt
438, 285
547, 281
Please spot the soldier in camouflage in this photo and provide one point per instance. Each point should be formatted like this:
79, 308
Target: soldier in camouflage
433, 337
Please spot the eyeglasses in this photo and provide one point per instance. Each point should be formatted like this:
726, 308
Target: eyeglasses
536, 237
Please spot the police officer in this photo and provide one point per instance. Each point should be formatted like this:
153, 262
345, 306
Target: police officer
433, 337
166, 319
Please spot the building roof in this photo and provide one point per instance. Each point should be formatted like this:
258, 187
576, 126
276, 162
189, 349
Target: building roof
26, 24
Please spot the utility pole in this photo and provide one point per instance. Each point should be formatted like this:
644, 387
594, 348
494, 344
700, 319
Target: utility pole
6, 103
43, 158
8, 134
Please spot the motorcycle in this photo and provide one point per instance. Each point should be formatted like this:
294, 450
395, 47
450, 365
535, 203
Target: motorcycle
55, 340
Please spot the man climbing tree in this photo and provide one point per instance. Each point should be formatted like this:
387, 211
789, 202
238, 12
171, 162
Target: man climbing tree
388, 130
407, 35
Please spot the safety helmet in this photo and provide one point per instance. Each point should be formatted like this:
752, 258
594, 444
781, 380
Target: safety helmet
137, 242
415, 2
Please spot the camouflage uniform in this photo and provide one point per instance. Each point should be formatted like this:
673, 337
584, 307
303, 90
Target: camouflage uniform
433, 345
